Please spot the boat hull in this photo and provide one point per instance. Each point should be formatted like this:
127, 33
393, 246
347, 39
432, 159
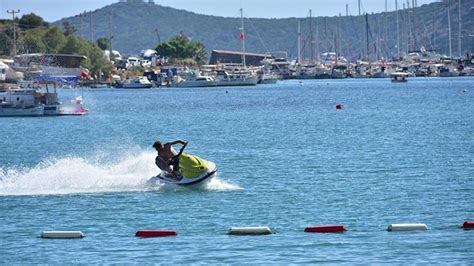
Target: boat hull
203, 178
136, 86
250, 81
192, 84
27, 111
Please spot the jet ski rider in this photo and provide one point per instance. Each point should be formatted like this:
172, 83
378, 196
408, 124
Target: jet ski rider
167, 158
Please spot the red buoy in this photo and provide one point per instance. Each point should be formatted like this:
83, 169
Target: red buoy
156, 233
329, 228
340, 106
468, 225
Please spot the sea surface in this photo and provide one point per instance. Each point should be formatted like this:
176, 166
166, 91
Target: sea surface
287, 158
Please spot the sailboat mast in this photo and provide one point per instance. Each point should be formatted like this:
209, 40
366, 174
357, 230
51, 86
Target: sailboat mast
317, 41
459, 33
339, 33
326, 42
311, 36
359, 7
361, 39
299, 41
398, 30
449, 33
242, 35
383, 41
111, 55
367, 35
409, 46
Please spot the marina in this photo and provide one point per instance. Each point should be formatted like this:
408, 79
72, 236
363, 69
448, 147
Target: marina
149, 133
391, 156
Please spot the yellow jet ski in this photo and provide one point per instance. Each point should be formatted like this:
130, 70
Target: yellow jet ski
192, 170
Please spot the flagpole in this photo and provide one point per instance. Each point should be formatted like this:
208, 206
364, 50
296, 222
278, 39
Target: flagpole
242, 35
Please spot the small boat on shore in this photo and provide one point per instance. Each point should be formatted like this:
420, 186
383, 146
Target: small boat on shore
199, 81
141, 82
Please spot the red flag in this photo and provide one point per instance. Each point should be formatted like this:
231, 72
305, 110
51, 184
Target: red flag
242, 36
85, 73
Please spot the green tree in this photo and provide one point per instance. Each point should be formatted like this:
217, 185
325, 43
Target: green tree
69, 29
5, 44
31, 21
103, 43
95, 60
180, 49
98, 63
200, 54
32, 42
71, 46
54, 40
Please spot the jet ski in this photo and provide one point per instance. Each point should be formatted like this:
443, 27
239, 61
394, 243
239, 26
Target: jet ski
192, 170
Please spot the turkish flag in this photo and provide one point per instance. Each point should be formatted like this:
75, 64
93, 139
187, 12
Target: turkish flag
85, 73
242, 36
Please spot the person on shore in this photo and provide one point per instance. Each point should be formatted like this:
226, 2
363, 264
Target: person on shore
167, 158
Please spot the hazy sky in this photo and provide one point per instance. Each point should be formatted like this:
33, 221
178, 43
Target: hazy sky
52, 10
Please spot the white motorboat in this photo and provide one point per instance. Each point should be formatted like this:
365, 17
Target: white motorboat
268, 78
224, 78
37, 100
12, 110
140, 82
447, 71
338, 72
305, 72
47, 94
20, 103
199, 81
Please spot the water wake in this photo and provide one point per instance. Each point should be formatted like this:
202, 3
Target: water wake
217, 184
72, 175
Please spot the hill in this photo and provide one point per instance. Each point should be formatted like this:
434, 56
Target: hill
138, 26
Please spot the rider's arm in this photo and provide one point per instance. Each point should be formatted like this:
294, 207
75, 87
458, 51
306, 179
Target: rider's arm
182, 142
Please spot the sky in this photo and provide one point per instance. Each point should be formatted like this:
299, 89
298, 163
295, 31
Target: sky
53, 10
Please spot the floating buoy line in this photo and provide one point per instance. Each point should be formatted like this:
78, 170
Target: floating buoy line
253, 230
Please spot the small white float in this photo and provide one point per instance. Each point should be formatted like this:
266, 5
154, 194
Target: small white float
62, 234
250, 230
407, 227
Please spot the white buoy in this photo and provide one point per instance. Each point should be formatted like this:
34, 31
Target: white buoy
407, 227
256, 230
62, 234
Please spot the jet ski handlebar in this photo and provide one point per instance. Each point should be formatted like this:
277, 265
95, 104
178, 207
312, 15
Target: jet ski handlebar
185, 143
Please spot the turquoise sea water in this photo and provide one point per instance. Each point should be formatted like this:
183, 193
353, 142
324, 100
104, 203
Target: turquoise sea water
397, 153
